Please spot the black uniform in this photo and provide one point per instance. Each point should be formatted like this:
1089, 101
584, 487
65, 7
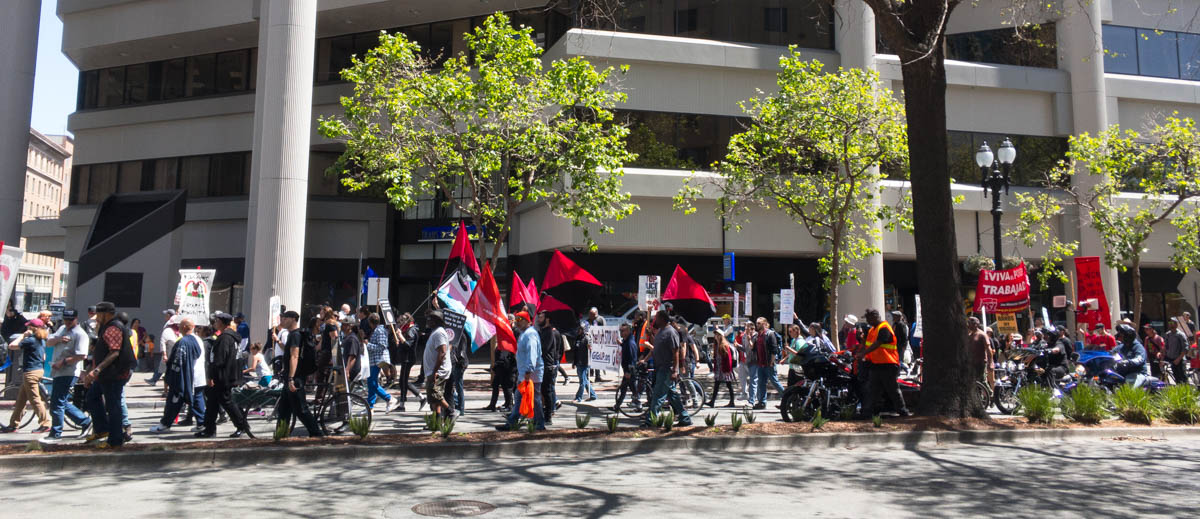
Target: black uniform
224, 373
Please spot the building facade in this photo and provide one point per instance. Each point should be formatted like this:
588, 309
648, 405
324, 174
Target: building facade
221, 98
42, 278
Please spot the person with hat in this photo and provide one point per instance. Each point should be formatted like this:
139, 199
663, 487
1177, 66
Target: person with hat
166, 344
530, 366
243, 329
32, 345
71, 347
1099, 340
292, 400
436, 363
224, 373
879, 350
113, 363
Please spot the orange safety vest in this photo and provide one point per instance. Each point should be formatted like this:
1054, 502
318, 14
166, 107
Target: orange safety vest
886, 352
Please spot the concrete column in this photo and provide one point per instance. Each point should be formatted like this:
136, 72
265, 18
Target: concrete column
1081, 52
854, 38
18, 39
260, 95
283, 121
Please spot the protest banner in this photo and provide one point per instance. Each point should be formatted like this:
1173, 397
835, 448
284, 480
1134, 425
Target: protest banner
1091, 289
377, 288
749, 299
276, 308
1006, 324
1002, 291
454, 326
605, 342
195, 289
787, 305
10, 264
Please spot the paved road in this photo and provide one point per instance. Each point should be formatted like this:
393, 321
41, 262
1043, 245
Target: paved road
1031, 479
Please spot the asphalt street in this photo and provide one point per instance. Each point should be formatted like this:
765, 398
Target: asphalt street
1093, 478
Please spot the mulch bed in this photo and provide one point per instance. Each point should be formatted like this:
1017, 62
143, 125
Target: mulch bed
596, 431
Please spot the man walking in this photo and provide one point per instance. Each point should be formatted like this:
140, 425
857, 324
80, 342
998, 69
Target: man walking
377, 353
668, 365
880, 350
166, 341
552, 352
114, 362
530, 367
629, 358
981, 350
181, 379
766, 349
224, 373
436, 363
71, 346
581, 354
1177, 346
292, 400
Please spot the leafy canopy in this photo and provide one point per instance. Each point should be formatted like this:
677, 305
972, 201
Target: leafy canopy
490, 130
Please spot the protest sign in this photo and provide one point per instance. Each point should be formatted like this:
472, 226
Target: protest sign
377, 288
276, 308
385, 308
194, 291
10, 264
1006, 324
605, 342
787, 305
1002, 291
1091, 287
918, 326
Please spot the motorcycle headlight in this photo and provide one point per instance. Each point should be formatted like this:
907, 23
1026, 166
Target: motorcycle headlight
1080, 370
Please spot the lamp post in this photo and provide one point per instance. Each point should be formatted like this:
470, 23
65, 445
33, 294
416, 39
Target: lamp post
1000, 166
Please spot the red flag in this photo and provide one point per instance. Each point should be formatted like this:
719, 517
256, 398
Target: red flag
688, 298
532, 296
1091, 286
462, 253
516, 294
487, 305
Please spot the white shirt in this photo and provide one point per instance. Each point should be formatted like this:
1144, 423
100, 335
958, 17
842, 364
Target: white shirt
198, 375
437, 339
167, 340
78, 346
283, 333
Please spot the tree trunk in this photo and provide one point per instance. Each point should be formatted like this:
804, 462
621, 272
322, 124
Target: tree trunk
948, 384
834, 273
1135, 272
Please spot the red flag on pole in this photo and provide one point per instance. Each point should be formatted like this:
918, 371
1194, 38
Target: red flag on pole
532, 296
462, 254
516, 294
488, 307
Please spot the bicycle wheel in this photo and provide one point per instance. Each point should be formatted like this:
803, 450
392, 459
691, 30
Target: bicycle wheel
694, 397
640, 394
982, 395
336, 411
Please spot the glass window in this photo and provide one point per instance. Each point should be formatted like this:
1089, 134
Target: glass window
79, 184
687, 23
166, 174
320, 183
174, 76
137, 79
1158, 54
130, 177
201, 71
441, 41
677, 141
340, 50
1120, 50
418, 34
775, 19
102, 182
253, 68
112, 87
232, 71
1029, 47
227, 175
364, 42
89, 87
193, 175
1189, 56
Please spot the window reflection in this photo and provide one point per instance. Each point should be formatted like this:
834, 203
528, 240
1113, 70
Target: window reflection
1036, 156
1028, 47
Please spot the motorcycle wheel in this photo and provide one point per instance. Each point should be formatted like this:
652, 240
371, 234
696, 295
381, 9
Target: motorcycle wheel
792, 407
1006, 399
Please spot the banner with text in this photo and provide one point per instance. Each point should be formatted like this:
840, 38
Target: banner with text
1002, 291
1090, 286
194, 291
787, 305
605, 348
10, 264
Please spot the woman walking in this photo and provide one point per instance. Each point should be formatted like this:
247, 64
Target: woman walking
724, 359
32, 344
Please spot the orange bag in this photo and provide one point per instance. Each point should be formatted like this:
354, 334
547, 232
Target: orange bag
526, 390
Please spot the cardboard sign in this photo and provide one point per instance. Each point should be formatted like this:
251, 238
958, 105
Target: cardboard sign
276, 308
1003, 291
918, 327
1091, 287
605, 351
1006, 324
385, 308
649, 293
10, 265
195, 291
787, 305
377, 288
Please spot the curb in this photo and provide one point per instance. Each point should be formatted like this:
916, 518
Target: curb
232, 458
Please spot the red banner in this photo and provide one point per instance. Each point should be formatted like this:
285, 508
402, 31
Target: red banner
1091, 287
1002, 291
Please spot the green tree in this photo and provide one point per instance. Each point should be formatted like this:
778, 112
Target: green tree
814, 150
490, 130
1136, 181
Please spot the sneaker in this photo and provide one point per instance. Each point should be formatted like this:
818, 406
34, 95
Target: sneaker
7, 429
682, 423
42, 430
422, 406
94, 439
503, 428
160, 428
760, 405
151, 381
50, 439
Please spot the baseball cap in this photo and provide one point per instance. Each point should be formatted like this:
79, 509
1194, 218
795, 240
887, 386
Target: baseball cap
291, 314
105, 306
70, 313
239, 315
523, 315
35, 322
224, 317
1098, 326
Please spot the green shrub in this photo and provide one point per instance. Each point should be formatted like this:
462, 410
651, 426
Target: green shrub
711, 420
1134, 405
1181, 404
668, 420
735, 421
847, 413
1037, 404
612, 421
750, 417
516, 425
447, 426
877, 420
360, 426
581, 420
531, 426
283, 429
1086, 404
819, 421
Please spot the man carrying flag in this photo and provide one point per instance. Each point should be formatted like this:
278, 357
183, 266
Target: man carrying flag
529, 367
490, 321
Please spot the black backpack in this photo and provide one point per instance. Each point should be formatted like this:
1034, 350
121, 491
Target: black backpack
307, 364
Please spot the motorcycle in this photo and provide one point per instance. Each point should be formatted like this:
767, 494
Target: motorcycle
1098, 368
1024, 366
828, 387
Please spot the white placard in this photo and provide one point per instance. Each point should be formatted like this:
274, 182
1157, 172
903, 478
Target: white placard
787, 305
649, 288
276, 308
10, 265
377, 288
919, 328
1045, 316
983, 314
605, 350
195, 291
737, 307
749, 300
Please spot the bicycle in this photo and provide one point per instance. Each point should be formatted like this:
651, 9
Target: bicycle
45, 393
691, 393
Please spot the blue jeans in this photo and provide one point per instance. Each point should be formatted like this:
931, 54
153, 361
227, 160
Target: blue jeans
767, 375
666, 390
539, 419
752, 372
175, 401
60, 403
373, 389
456, 378
104, 404
585, 384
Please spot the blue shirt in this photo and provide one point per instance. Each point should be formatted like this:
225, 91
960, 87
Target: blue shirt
243, 330
529, 355
377, 345
33, 351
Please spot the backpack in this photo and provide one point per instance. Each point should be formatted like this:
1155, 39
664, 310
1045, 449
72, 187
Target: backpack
459, 352
307, 364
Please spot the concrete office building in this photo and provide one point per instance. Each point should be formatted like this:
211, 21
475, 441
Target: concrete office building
47, 175
221, 98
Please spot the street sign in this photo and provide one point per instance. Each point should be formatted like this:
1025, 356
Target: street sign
730, 266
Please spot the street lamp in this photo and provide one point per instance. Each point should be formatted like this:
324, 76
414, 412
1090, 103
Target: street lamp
1000, 164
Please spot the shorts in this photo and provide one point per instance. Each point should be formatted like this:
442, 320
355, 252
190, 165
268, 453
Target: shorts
435, 389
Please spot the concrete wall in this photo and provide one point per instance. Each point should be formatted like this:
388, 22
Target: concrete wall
159, 265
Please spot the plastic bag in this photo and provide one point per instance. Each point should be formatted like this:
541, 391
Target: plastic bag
526, 389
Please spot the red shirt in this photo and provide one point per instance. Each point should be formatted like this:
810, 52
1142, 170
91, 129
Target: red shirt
1105, 341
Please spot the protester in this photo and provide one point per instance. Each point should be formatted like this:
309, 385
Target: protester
224, 373
459, 361
880, 350
747, 370
668, 366
183, 380
791, 348
1155, 347
1176, 349
377, 352
113, 364
436, 363
529, 367
551, 346
32, 345
766, 352
900, 326
14, 323
981, 352
71, 345
167, 339
351, 348
292, 401
1099, 340
243, 329
1133, 364
629, 359
594, 319
724, 359
581, 355
409, 343
256, 366
502, 376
